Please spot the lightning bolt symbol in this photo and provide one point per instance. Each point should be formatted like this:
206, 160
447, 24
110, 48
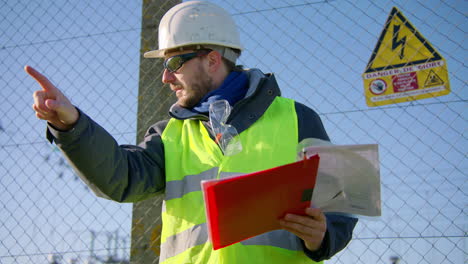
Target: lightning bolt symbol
397, 42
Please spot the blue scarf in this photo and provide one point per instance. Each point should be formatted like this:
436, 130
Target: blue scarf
233, 89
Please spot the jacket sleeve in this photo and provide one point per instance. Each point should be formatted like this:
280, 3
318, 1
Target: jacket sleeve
125, 173
339, 228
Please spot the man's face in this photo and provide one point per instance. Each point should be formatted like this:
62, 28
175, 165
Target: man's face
191, 82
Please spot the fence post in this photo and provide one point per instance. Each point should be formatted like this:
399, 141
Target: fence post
154, 100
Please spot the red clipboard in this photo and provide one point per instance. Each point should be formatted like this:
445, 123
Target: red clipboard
242, 207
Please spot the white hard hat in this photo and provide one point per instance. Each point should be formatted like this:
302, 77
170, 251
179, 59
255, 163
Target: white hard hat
197, 23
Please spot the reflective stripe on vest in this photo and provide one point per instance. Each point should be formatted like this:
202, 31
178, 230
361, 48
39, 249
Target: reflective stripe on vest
190, 183
191, 156
198, 235
184, 240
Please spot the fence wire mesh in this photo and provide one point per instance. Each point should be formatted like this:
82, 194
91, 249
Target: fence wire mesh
318, 51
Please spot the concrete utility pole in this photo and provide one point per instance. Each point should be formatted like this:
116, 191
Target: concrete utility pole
154, 101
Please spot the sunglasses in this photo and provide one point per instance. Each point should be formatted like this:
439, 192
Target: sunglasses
174, 63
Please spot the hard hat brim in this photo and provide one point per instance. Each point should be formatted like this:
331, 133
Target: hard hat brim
154, 53
160, 53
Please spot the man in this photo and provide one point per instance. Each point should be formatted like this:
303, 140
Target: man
200, 44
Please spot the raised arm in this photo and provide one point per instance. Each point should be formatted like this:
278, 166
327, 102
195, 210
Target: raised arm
124, 173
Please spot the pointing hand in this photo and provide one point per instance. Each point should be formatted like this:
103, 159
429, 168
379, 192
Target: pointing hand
51, 104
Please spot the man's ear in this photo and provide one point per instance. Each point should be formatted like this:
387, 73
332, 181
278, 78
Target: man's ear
215, 61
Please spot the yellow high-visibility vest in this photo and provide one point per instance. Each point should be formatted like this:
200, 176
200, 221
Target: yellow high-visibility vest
192, 156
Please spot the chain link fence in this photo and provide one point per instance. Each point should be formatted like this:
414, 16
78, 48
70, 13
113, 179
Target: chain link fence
318, 51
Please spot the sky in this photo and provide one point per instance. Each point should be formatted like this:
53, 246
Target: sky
317, 50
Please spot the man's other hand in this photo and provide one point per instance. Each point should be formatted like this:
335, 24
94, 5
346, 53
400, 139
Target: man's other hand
310, 227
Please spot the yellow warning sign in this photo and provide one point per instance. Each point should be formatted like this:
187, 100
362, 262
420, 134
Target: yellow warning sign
433, 79
404, 66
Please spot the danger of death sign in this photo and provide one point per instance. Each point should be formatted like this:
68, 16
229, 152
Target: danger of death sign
404, 66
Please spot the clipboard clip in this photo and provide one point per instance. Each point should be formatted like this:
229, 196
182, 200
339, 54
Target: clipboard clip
304, 158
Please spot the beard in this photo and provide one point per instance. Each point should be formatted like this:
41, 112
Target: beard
193, 92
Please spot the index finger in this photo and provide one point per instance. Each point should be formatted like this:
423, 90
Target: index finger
316, 213
41, 79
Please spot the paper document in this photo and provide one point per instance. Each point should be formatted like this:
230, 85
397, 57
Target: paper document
244, 206
348, 179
